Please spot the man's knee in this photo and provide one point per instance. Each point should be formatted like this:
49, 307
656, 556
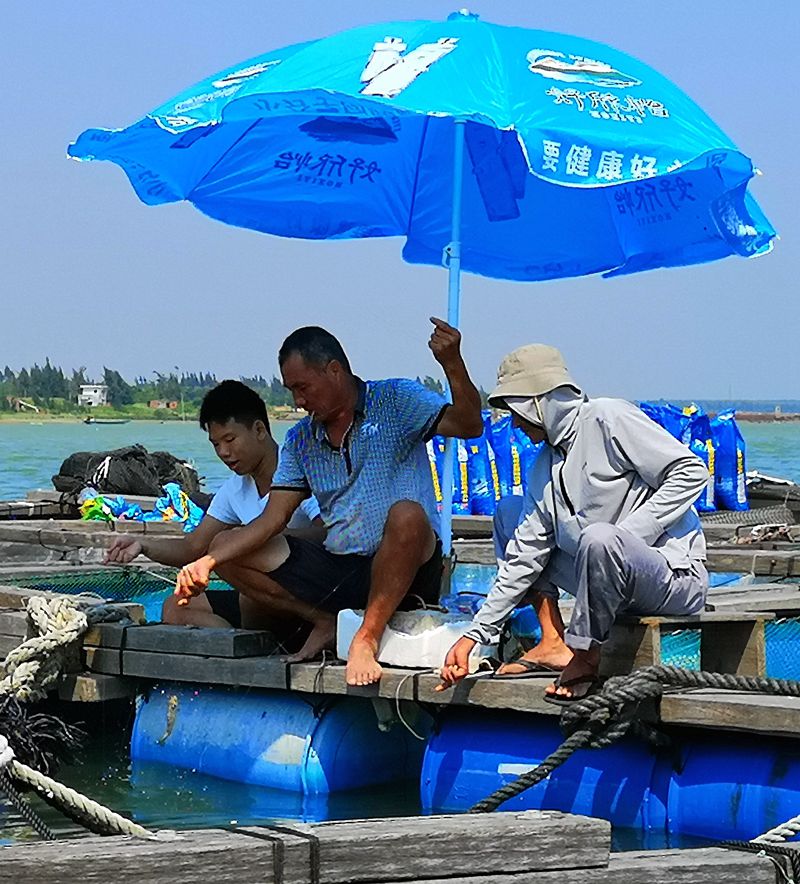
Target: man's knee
408, 522
271, 556
598, 539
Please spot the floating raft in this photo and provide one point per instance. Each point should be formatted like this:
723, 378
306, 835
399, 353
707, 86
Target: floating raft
545, 847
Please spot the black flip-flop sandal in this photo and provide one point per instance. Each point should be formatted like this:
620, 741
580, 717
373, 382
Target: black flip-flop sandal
591, 681
530, 668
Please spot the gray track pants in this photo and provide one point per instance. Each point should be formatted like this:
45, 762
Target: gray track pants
612, 573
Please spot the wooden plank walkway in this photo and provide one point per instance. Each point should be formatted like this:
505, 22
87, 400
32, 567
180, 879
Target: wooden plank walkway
732, 640
764, 560
498, 848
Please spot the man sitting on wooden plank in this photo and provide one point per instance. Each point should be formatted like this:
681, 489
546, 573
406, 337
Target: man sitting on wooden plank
361, 453
607, 517
235, 418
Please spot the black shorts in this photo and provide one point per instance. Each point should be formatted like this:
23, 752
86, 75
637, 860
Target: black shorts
334, 582
225, 603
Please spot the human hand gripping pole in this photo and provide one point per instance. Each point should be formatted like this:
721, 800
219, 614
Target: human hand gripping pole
456, 663
463, 417
445, 343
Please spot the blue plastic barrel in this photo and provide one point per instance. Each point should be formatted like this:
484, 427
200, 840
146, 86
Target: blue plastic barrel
299, 743
474, 754
721, 786
734, 786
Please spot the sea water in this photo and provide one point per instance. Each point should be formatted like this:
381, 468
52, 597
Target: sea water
31, 453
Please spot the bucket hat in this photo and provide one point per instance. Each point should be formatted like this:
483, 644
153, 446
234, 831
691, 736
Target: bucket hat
531, 370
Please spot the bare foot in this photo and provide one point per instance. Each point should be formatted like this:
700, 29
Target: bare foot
362, 663
321, 638
580, 672
553, 655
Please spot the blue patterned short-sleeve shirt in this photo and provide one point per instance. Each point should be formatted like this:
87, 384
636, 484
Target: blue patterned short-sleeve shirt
382, 460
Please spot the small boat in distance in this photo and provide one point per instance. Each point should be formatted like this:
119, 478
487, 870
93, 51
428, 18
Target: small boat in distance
106, 420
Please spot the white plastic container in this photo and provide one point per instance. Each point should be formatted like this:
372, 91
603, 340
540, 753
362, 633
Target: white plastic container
413, 639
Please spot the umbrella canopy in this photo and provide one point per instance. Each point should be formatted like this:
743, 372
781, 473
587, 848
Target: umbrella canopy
578, 159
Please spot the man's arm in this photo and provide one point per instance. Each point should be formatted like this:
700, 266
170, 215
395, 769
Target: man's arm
526, 556
193, 577
666, 465
463, 417
176, 551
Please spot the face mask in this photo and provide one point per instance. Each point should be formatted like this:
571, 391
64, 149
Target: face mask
528, 408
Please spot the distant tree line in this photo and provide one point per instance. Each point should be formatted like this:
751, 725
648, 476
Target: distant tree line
49, 387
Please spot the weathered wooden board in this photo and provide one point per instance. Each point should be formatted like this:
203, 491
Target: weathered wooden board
524, 695
263, 672
777, 563
182, 639
31, 509
779, 598
14, 622
94, 688
381, 850
475, 552
31, 527
271, 672
472, 526
8, 643
733, 711
743, 559
709, 865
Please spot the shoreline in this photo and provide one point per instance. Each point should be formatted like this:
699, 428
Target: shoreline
291, 417
755, 417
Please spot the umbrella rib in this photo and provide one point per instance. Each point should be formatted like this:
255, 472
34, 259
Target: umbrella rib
222, 156
416, 175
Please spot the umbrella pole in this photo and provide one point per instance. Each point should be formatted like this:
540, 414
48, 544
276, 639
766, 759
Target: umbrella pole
453, 262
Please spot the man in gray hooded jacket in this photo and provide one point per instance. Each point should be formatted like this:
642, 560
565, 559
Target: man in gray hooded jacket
607, 517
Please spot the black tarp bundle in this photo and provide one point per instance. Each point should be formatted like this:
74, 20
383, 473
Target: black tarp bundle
131, 470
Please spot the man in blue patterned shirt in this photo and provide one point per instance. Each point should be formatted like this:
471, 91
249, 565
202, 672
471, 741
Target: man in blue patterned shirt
361, 453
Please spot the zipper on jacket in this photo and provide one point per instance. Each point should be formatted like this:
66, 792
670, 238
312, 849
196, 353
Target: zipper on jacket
563, 487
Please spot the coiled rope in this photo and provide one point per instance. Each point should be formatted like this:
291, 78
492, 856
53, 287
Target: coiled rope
35, 665
30, 670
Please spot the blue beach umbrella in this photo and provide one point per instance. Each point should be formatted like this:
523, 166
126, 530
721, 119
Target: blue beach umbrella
506, 152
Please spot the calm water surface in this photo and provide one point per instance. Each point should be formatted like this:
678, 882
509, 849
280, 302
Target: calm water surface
31, 453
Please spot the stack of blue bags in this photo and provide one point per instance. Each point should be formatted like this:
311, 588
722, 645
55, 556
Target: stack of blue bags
497, 463
488, 468
718, 442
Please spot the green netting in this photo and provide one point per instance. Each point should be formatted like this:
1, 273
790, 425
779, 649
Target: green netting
783, 642
147, 587
782, 639
114, 584
681, 648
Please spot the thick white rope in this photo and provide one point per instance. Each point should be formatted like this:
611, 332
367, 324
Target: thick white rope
780, 833
6, 753
111, 823
35, 665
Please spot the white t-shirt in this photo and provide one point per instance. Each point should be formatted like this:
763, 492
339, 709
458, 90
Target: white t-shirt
238, 502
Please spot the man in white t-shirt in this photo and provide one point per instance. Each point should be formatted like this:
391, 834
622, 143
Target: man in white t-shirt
235, 418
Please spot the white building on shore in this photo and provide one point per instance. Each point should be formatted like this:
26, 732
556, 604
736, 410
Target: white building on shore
93, 395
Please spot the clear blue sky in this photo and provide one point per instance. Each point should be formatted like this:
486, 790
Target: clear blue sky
90, 276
